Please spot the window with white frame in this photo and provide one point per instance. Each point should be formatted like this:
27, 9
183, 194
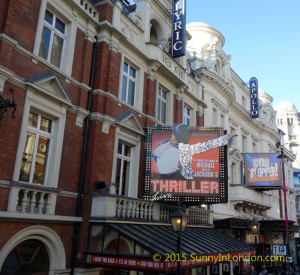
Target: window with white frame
254, 146
215, 118
222, 120
123, 167
39, 135
162, 105
187, 116
244, 143
128, 84
244, 102
53, 39
233, 132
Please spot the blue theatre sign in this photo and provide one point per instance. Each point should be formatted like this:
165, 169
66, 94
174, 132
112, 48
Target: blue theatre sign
178, 28
254, 102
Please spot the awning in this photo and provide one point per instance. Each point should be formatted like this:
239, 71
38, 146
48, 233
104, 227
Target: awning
199, 245
266, 223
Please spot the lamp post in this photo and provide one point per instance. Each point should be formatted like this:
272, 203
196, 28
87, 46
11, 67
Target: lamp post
282, 157
255, 226
179, 221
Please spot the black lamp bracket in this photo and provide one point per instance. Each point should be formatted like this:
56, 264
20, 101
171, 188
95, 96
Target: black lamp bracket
6, 103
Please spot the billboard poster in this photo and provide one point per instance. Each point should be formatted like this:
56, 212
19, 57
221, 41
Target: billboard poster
178, 28
263, 170
186, 171
296, 178
254, 102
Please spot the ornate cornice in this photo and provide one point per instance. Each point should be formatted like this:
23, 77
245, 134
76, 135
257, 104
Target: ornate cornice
216, 80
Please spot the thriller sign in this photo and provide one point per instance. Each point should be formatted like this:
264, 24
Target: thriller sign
193, 172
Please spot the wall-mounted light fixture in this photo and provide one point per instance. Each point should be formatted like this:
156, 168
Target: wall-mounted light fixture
6, 103
100, 184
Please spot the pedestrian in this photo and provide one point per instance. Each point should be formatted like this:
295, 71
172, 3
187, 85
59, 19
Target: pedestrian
292, 270
263, 271
252, 270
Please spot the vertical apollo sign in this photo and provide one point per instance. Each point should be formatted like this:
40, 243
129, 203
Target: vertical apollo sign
254, 102
178, 28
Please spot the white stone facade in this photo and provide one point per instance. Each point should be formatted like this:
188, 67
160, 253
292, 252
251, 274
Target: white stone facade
288, 120
228, 101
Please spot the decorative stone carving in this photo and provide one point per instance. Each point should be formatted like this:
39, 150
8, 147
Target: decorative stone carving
137, 19
268, 115
128, 33
152, 69
226, 70
81, 114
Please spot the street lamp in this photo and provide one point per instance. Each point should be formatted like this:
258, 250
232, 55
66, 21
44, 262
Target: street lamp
255, 226
282, 157
179, 221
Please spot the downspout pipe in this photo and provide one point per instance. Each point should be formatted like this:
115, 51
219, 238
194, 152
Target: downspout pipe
83, 160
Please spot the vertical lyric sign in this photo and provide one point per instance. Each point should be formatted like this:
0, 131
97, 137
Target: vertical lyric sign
254, 102
178, 28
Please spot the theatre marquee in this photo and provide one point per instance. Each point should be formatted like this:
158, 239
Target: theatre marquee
183, 174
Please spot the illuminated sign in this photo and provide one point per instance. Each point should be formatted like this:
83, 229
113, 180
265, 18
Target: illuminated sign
178, 28
147, 264
177, 171
263, 170
297, 178
254, 102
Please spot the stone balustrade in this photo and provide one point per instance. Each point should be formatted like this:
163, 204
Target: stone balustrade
25, 198
124, 208
88, 8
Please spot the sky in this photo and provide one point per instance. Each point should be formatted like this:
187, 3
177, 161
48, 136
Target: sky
263, 38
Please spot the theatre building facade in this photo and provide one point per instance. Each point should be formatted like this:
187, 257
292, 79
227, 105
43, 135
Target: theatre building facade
81, 85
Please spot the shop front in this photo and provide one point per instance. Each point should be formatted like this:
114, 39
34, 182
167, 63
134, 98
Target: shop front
272, 233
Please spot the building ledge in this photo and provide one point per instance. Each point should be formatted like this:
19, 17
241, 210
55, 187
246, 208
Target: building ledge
4, 215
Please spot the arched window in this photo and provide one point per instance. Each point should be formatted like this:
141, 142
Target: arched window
29, 257
156, 34
153, 35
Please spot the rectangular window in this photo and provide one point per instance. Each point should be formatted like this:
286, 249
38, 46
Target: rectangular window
222, 120
215, 118
36, 149
244, 140
53, 39
254, 147
187, 116
124, 159
128, 84
233, 132
162, 105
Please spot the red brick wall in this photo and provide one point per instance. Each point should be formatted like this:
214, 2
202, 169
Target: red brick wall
200, 119
4, 193
21, 21
3, 14
82, 58
107, 73
178, 110
71, 155
65, 206
106, 12
100, 155
149, 96
10, 130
